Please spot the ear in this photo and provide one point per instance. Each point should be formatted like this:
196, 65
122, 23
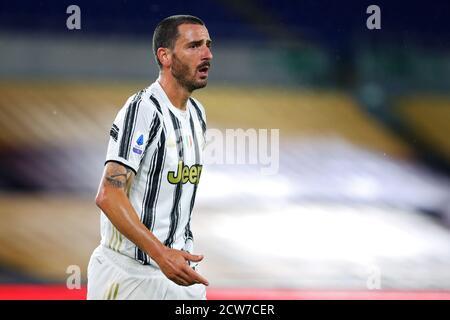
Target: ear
164, 56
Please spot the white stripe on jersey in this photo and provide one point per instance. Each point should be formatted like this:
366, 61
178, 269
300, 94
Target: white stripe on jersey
163, 146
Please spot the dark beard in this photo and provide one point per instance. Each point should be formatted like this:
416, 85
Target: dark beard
181, 72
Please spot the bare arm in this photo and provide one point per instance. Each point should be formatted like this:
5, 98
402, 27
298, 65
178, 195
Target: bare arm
112, 198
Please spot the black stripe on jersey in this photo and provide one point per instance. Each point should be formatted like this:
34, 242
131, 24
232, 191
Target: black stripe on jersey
114, 132
199, 114
154, 183
188, 233
156, 123
194, 136
157, 105
152, 188
128, 126
175, 212
177, 128
154, 128
154, 176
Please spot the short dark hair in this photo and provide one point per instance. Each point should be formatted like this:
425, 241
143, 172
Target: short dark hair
166, 32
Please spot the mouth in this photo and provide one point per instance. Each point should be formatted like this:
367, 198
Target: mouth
203, 70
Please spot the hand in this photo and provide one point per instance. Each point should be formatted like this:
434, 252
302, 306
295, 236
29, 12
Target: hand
175, 266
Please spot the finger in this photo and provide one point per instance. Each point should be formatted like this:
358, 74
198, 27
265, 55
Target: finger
180, 279
193, 257
184, 280
190, 280
195, 277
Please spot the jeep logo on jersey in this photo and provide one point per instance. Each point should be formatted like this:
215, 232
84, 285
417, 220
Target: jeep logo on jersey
185, 173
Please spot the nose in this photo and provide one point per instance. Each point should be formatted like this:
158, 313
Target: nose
207, 54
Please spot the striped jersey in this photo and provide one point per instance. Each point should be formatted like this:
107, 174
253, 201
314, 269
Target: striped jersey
163, 146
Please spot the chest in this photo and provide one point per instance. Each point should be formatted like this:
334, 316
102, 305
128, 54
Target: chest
184, 142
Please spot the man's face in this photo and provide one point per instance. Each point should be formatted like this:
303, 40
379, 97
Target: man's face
191, 56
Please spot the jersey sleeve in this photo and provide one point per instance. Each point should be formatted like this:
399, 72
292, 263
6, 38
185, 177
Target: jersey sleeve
134, 133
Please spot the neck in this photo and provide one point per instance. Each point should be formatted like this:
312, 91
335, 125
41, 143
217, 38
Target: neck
177, 94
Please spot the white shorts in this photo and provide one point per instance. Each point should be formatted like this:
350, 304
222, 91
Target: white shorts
112, 276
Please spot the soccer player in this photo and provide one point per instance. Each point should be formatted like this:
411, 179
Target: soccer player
152, 170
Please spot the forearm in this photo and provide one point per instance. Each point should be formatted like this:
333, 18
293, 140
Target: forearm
112, 198
117, 207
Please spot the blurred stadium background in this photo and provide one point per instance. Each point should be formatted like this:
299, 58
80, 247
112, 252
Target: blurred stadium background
363, 189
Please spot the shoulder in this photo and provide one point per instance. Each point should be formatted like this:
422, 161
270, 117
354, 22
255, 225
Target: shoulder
146, 101
149, 101
139, 105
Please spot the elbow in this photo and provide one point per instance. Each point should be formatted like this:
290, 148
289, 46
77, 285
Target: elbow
101, 199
